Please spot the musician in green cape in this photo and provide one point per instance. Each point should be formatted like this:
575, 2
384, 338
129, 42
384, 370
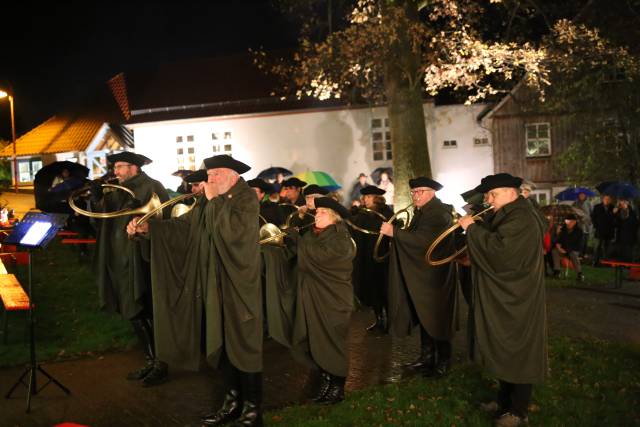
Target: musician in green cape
324, 298
420, 294
220, 279
509, 337
122, 265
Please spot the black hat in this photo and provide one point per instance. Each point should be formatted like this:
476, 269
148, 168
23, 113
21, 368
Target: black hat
226, 161
293, 182
198, 176
361, 175
314, 189
328, 202
129, 157
261, 184
182, 173
423, 181
571, 216
372, 189
498, 180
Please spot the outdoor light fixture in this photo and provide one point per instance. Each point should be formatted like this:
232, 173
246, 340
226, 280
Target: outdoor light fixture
4, 94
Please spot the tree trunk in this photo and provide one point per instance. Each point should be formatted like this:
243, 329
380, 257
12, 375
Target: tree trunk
406, 121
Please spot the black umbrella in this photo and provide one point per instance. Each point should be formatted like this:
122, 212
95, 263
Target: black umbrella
273, 171
44, 177
375, 175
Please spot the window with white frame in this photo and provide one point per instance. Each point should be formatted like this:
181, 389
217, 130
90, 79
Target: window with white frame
381, 139
541, 196
185, 153
449, 143
538, 139
225, 147
481, 141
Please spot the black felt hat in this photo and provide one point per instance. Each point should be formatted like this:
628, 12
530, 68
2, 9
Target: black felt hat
498, 180
571, 216
372, 189
226, 161
261, 184
314, 189
182, 173
198, 176
423, 181
129, 157
328, 202
293, 182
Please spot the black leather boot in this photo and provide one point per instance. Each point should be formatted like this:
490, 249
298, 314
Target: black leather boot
145, 335
427, 357
443, 360
335, 393
158, 374
251, 415
376, 326
231, 409
325, 383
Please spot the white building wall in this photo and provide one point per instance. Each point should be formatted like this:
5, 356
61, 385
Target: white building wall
334, 141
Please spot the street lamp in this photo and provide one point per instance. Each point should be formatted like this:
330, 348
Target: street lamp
4, 94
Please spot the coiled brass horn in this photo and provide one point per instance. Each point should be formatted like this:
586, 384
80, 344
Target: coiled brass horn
271, 233
442, 236
376, 248
364, 230
157, 210
287, 222
150, 205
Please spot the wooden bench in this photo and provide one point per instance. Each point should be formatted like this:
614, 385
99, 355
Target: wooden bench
13, 297
619, 266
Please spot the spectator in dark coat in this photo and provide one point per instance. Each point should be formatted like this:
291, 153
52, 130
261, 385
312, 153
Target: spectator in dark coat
626, 231
603, 220
569, 244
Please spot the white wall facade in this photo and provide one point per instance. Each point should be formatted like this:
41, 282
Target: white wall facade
338, 142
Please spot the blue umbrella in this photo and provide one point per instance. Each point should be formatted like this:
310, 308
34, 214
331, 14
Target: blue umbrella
571, 193
623, 190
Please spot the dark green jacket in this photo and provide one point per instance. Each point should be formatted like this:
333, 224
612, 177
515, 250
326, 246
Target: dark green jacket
509, 336
220, 267
324, 298
280, 284
121, 264
431, 291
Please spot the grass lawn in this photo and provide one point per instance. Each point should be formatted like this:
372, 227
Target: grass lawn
591, 383
68, 321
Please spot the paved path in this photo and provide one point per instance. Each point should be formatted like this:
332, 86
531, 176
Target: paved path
101, 396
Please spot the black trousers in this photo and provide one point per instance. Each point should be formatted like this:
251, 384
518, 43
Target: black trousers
515, 397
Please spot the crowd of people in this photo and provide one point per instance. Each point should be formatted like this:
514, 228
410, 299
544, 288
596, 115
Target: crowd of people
211, 284
606, 230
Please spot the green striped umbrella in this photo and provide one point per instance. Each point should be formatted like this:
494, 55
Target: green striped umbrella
319, 178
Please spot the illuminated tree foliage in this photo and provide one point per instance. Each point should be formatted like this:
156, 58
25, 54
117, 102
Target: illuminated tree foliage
398, 52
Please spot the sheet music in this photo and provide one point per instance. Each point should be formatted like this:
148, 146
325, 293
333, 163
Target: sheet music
36, 233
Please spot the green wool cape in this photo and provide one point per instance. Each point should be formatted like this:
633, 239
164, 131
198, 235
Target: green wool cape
509, 337
324, 298
279, 276
416, 288
121, 264
208, 261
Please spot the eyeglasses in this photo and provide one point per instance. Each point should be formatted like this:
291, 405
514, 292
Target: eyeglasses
418, 192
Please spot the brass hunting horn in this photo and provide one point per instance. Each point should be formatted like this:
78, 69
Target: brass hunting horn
149, 206
443, 235
364, 230
157, 210
376, 248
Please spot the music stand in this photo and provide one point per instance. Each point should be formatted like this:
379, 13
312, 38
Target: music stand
35, 231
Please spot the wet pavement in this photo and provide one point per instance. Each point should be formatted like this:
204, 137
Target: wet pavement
102, 397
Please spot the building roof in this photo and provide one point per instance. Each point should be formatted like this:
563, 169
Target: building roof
203, 87
74, 129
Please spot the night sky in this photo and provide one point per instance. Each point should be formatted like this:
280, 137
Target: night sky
52, 53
